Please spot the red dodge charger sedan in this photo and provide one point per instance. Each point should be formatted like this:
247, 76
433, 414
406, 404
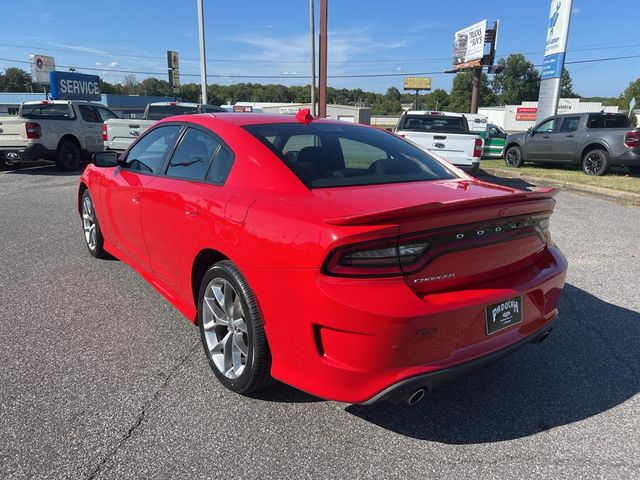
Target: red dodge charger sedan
337, 258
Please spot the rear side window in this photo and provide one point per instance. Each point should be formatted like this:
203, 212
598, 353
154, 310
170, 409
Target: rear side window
148, 154
569, 124
44, 110
607, 121
221, 166
348, 155
434, 124
192, 155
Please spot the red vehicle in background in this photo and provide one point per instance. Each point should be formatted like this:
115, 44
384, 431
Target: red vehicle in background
336, 258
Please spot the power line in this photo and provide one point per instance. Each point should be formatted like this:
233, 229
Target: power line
291, 77
255, 60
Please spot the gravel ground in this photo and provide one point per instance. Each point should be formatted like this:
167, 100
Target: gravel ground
101, 378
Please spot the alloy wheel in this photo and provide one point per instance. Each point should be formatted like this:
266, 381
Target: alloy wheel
225, 329
513, 157
593, 163
89, 223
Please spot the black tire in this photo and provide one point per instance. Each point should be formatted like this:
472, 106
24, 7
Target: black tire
256, 373
96, 248
513, 157
68, 156
474, 170
595, 162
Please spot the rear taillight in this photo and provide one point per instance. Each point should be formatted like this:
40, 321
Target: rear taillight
382, 259
632, 139
105, 134
477, 148
409, 254
33, 129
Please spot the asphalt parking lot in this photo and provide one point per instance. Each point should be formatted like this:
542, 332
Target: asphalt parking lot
101, 378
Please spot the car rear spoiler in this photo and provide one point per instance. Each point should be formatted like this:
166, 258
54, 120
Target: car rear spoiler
542, 196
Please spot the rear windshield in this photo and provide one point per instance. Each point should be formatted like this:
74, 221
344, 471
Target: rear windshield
434, 123
332, 155
44, 110
157, 112
607, 121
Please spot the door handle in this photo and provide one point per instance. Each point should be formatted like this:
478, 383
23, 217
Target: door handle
571, 135
135, 198
545, 136
190, 210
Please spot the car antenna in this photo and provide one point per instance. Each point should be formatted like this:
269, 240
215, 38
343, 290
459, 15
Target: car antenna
304, 116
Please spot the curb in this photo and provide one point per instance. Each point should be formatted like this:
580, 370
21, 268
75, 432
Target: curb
608, 193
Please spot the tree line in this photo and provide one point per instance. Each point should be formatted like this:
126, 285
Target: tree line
519, 81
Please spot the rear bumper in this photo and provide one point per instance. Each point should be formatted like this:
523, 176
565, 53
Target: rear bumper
631, 157
400, 391
357, 340
25, 153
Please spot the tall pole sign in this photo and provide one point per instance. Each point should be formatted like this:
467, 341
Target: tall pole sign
203, 53
322, 80
553, 64
173, 67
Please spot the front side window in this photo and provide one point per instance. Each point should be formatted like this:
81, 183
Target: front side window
547, 127
335, 155
148, 154
89, 114
192, 156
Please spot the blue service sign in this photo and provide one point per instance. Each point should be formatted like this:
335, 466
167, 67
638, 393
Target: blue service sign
74, 86
552, 66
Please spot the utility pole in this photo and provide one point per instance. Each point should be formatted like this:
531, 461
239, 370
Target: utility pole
475, 89
322, 87
312, 35
203, 53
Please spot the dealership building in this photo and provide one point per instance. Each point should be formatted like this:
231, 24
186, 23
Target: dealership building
514, 118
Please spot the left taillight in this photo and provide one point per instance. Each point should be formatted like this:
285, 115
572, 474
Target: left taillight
105, 134
34, 130
632, 139
477, 148
379, 259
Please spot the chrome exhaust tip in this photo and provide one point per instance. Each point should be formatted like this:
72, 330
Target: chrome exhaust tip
416, 396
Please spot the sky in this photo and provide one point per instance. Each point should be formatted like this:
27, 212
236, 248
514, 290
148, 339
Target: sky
271, 38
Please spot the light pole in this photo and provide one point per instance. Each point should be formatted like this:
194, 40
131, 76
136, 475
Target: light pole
322, 86
203, 53
312, 35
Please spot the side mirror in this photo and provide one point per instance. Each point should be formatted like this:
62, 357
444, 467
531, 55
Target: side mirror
105, 159
530, 131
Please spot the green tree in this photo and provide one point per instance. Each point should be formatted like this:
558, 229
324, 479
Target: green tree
15, 80
566, 89
437, 100
393, 94
518, 82
632, 91
460, 97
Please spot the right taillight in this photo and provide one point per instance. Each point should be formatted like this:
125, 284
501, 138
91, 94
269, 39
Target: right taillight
632, 139
105, 134
34, 131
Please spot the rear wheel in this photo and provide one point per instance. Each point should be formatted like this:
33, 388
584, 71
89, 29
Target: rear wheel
513, 157
231, 330
595, 162
68, 156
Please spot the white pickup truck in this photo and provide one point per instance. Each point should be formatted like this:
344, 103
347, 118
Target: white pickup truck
60, 130
445, 134
119, 134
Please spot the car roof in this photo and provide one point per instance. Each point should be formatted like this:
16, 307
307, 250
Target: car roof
242, 119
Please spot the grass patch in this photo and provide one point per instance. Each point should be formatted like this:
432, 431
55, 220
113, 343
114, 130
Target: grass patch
616, 178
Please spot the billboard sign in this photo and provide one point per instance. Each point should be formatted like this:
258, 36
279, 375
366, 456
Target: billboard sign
41, 65
554, 53
417, 83
74, 86
468, 45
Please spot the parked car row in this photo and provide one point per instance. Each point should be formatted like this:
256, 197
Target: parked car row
68, 132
